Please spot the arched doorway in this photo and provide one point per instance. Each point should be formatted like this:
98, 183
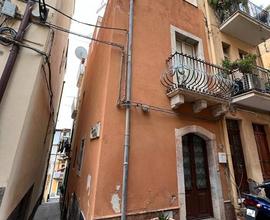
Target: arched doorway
216, 196
196, 174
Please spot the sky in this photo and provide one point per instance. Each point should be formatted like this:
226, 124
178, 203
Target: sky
86, 10
262, 3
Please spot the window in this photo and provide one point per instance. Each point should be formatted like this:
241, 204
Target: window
80, 157
185, 42
186, 45
242, 54
185, 48
226, 51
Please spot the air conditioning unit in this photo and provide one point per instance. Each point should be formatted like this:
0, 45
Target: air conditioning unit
95, 131
253, 82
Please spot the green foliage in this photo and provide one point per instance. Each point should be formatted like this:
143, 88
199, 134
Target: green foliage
244, 65
223, 6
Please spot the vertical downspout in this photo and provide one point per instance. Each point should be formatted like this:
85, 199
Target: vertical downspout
15, 49
128, 112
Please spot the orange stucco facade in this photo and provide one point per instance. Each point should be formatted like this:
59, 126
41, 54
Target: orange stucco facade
153, 178
153, 182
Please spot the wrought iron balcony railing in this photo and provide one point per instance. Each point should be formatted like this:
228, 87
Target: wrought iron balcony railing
258, 80
195, 75
248, 8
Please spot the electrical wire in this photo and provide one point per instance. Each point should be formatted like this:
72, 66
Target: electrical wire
53, 26
47, 62
22, 45
81, 22
10, 33
5, 19
167, 111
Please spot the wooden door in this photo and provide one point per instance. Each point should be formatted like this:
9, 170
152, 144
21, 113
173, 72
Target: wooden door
239, 166
263, 150
197, 183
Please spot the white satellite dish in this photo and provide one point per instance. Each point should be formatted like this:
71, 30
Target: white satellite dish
81, 53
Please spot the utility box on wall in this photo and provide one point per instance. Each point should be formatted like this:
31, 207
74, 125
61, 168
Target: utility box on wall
95, 131
222, 158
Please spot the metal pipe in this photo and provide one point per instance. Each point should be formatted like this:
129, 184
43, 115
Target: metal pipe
128, 112
15, 49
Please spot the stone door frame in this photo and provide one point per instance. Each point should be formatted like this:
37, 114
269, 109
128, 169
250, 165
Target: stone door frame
214, 173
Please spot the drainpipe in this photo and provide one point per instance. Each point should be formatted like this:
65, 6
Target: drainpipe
128, 112
15, 49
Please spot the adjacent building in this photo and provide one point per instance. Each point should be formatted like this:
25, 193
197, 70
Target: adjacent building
57, 165
29, 106
199, 129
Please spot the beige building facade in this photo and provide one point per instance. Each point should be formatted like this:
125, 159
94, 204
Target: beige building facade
29, 107
198, 131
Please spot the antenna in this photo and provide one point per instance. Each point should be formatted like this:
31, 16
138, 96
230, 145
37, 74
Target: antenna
81, 53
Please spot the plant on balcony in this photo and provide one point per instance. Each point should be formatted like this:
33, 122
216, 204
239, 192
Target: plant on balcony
245, 65
162, 216
224, 8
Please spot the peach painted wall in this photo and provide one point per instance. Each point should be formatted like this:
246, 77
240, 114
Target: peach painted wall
152, 183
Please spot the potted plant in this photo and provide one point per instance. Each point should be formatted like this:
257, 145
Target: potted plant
245, 65
224, 8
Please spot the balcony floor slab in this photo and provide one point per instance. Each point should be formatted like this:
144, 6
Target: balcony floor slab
253, 99
246, 28
192, 96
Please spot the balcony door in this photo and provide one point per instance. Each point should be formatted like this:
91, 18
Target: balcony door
196, 174
187, 65
263, 150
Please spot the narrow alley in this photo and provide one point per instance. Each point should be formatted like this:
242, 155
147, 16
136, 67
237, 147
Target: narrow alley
48, 211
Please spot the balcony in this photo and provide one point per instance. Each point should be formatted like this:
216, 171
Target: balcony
253, 89
191, 80
247, 22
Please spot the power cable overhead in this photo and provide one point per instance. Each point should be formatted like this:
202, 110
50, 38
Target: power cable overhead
53, 26
81, 22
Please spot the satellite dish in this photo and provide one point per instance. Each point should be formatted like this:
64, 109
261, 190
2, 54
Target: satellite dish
81, 53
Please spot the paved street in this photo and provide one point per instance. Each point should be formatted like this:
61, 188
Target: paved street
48, 211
